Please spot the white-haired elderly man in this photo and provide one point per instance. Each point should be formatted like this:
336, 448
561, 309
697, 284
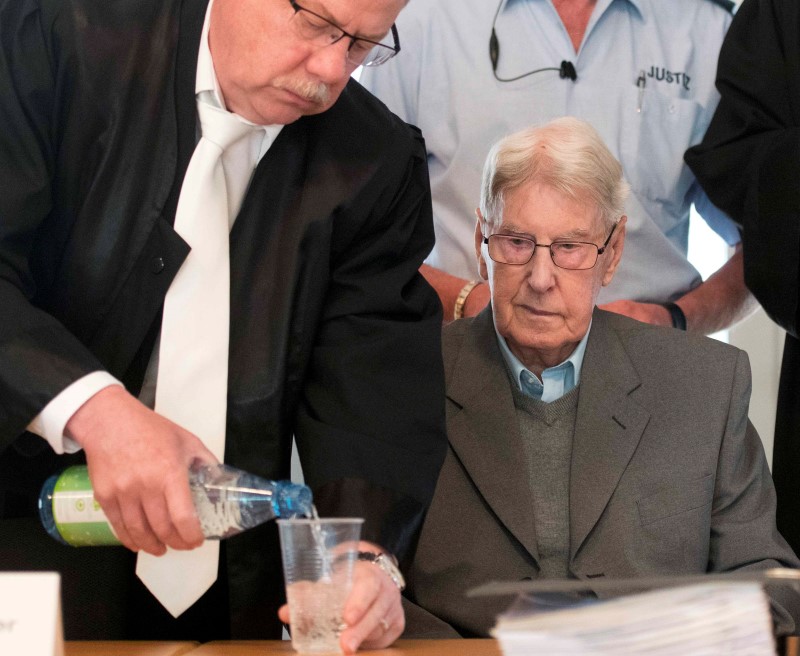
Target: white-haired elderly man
582, 443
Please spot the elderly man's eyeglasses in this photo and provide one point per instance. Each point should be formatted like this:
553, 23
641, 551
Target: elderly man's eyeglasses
575, 255
320, 31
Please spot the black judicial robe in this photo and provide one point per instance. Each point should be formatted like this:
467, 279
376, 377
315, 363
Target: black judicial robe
749, 164
334, 335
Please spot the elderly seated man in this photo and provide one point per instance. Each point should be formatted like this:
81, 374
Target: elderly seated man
583, 444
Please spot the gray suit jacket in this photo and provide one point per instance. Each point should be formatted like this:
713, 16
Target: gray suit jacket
667, 476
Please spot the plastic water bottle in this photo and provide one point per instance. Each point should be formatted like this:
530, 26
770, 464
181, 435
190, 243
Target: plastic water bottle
227, 500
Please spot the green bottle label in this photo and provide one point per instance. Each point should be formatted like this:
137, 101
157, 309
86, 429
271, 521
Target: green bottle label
79, 518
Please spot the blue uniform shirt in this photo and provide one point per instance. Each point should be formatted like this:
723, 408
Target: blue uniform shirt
442, 81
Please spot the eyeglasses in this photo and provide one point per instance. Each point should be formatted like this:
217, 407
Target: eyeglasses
320, 31
574, 255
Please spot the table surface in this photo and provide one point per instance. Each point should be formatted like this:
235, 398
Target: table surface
274, 648
127, 648
400, 648
278, 647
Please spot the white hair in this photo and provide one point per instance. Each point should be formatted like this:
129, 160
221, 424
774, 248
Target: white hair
566, 154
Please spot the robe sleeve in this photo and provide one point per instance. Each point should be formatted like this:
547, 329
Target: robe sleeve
749, 160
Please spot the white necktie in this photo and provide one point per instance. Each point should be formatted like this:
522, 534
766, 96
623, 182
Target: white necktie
192, 382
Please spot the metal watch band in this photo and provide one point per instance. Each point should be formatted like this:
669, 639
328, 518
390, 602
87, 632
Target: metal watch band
458, 310
386, 563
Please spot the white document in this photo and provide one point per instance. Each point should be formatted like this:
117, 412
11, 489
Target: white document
30, 614
712, 618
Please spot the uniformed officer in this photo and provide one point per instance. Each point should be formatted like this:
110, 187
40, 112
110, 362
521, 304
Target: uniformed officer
640, 71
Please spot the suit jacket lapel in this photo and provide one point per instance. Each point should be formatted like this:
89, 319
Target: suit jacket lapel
608, 427
484, 433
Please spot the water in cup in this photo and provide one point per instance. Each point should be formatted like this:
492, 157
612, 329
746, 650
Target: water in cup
318, 558
316, 614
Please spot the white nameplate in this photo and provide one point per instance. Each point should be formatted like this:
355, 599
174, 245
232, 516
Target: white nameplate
30, 614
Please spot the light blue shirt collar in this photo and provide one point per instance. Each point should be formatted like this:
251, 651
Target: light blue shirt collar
556, 381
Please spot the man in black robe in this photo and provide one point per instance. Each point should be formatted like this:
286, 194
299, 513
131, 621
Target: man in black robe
749, 165
334, 337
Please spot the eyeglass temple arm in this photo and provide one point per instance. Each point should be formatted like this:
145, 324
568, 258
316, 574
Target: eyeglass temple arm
602, 249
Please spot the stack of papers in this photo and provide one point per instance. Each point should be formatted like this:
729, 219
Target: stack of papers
712, 618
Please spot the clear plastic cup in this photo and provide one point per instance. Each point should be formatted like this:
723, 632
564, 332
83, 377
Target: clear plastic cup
318, 557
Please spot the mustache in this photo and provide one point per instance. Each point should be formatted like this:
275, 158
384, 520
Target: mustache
316, 92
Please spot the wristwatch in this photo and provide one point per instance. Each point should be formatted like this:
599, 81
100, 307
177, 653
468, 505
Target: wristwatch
387, 564
458, 310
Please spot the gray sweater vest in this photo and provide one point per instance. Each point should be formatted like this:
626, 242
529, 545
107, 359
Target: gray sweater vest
547, 431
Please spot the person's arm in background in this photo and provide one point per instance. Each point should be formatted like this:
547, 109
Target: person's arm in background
449, 288
748, 161
718, 302
715, 304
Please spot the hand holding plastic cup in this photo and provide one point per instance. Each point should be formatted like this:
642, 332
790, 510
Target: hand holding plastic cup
318, 557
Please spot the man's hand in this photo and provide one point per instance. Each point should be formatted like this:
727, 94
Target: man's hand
652, 313
139, 467
715, 304
373, 613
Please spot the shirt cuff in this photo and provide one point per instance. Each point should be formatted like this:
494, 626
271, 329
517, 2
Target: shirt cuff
718, 221
53, 418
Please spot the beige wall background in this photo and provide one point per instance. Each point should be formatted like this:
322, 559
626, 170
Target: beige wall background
763, 341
